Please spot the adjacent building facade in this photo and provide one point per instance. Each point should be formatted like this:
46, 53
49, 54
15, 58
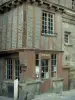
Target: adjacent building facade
37, 41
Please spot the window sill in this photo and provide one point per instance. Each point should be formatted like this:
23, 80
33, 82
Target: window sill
51, 35
9, 81
57, 79
44, 78
67, 44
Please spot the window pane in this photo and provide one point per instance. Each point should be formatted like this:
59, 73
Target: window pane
53, 65
9, 68
42, 75
66, 38
17, 69
47, 23
37, 62
44, 68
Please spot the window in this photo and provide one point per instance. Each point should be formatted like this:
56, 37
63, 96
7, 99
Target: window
67, 37
47, 23
9, 69
53, 65
13, 68
37, 59
37, 66
44, 68
73, 4
17, 69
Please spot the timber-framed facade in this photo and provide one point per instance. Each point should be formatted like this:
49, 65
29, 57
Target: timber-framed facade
32, 35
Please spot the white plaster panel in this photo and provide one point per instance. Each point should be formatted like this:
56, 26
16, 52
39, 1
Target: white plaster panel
9, 29
59, 31
69, 3
29, 26
62, 2
4, 30
20, 26
38, 15
0, 30
14, 28
54, 1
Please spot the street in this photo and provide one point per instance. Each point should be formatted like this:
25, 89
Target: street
5, 98
65, 95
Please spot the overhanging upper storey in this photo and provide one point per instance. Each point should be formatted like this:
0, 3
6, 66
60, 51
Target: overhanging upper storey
69, 4
8, 4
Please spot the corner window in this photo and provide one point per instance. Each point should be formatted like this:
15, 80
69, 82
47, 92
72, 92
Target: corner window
46, 68
47, 23
53, 65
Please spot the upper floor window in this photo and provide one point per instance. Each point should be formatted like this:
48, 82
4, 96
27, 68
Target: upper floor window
47, 23
73, 4
67, 37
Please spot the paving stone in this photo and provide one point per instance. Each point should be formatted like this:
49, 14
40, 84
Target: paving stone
65, 95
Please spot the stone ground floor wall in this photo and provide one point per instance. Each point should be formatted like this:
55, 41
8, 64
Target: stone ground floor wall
53, 85
72, 78
27, 59
26, 90
6, 89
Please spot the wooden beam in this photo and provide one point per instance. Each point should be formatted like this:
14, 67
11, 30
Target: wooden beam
1, 9
57, 9
32, 1
7, 6
20, 1
50, 6
40, 2
14, 3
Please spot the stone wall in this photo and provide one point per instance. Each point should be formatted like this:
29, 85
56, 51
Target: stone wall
29, 89
58, 85
68, 24
70, 47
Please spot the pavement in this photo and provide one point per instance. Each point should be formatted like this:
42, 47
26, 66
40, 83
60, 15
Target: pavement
65, 95
5, 98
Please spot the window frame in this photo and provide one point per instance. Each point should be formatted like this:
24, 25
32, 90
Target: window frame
13, 69
68, 38
46, 66
7, 69
53, 71
47, 23
37, 65
18, 69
